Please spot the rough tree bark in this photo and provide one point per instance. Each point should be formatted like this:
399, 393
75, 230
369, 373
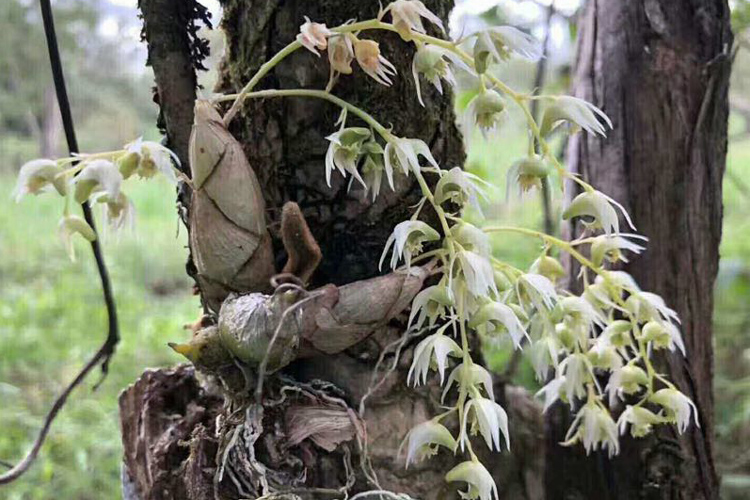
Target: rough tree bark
169, 420
660, 69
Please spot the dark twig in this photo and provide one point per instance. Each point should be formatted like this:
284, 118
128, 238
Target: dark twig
105, 352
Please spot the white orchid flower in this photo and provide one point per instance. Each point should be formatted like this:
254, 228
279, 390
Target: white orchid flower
526, 173
403, 153
98, 175
677, 406
344, 150
480, 484
407, 239
468, 376
36, 176
496, 316
313, 36
429, 304
601, 208
153, 158
489, 419
609, 247
498, 44
626, 380
423, 441
540, 290
639, 419
595, 427
578, 371
372, 62
435, 64
553, 391
406, 16
461, 187
477, 273
577, 112
437, 346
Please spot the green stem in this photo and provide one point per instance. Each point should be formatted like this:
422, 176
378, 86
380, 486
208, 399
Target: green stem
280, 56
318, 94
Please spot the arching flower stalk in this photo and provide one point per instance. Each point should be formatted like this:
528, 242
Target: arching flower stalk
597, 344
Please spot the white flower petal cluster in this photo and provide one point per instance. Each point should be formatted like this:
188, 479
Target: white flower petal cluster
344, 152
577, 112
403, 154
153, 158
313, 36
609, 247
599, 207
435, 64
406, 16
539, 289
98, 176
37, 176
470, 376
495, 317
479, 481
486, 111
423, 441
488, 419
367, 53
435, 348
677, 406
639, 419
595, 427
498, 44
462, 188
407, 239
429, 305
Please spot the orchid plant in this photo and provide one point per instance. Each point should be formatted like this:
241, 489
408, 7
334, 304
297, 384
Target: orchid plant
592, 351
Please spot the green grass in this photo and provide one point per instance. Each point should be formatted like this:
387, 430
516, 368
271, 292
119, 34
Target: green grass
52, 320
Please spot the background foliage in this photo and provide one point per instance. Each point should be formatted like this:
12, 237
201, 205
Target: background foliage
51, 319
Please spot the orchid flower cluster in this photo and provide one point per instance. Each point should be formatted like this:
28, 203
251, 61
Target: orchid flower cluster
593, 350
96, 178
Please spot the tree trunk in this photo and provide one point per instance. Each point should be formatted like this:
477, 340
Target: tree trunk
660, 69
170, 439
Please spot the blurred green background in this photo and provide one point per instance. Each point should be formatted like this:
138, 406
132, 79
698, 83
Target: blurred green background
51, 316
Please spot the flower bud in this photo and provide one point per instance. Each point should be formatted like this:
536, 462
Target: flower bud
71, 225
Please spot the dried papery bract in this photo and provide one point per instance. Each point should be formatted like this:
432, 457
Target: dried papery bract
230, 243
